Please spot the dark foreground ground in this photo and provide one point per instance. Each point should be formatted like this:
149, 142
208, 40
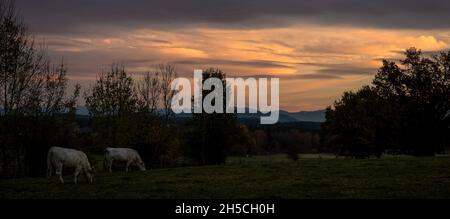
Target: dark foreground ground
258, 177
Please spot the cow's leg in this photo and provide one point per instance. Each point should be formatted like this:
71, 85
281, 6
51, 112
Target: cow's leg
109, 162
110, 165
75, 175
128, 165
59, 168
49, 171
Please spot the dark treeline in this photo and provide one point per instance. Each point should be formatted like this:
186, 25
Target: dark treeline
405, 110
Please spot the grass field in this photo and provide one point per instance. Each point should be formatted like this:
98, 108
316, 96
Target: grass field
258, 177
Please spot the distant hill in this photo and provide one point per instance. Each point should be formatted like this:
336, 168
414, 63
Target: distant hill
287, 117
284, 117
82, 111
310, 116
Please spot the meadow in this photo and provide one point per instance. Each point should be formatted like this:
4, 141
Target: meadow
258, 177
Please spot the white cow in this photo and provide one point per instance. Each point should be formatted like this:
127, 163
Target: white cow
58, 157
123, 154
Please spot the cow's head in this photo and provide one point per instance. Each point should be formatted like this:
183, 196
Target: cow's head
141, 165
90, 172
93, 171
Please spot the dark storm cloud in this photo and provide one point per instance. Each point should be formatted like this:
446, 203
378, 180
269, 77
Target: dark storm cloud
64, 42
296, 76
317, 76
219, 62
89, 15
90, 63
341, 69
347, 71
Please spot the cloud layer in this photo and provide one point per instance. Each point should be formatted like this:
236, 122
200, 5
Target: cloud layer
318, 48
74, 16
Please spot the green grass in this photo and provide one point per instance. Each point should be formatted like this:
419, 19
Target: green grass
258, 177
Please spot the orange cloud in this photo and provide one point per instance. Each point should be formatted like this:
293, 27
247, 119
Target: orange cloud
298, 50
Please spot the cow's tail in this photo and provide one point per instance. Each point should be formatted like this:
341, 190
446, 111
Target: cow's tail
49, 163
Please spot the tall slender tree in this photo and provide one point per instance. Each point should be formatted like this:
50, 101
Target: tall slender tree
33, 97
212, 134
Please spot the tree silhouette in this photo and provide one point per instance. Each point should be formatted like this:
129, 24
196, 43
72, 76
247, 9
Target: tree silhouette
406, 110
149, 92
112, 102
35, 110
167, 74
352, 123
212, 134
420, 94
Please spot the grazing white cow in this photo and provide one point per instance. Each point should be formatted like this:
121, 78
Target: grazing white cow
123, 154
58, 157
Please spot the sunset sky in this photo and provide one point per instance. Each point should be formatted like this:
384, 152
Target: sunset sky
318, 48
